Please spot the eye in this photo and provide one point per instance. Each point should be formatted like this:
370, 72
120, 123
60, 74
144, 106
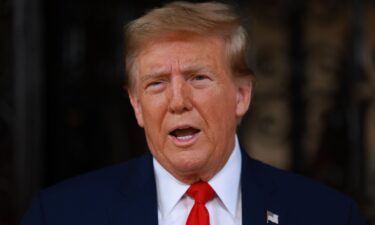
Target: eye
155, 86
200, 77
200, 80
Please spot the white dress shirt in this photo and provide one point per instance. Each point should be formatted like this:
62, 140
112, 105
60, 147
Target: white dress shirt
225, 209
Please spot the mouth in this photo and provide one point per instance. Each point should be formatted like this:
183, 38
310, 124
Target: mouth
184, 135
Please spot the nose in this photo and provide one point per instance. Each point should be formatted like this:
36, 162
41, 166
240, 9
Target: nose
179, 100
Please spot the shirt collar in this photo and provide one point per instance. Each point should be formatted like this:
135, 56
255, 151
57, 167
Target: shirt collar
169, 189
226, 184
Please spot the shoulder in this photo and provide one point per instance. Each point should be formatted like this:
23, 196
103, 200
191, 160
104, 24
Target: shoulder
99, 185
86, 199
301, 197
296, 186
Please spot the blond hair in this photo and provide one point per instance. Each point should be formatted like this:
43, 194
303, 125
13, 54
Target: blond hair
211, 18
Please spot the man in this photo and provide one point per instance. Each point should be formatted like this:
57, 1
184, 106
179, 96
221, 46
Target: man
189, 85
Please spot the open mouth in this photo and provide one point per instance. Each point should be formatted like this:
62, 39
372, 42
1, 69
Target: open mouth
184, 134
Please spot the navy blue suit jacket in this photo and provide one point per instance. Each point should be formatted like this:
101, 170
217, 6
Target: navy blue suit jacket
126, 194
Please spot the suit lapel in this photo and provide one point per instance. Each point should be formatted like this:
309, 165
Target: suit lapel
135, 202
259, 193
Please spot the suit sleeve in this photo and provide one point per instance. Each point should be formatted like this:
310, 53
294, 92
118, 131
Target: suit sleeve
355, 216
34, 215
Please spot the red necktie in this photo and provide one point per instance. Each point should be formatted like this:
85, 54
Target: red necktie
201, 192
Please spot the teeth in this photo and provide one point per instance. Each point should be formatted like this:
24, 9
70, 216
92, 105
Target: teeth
184, 137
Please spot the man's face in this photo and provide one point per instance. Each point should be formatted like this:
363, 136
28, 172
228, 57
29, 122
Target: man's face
188, 103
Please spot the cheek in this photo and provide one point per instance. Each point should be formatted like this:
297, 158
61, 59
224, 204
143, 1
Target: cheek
153, 110
218, 108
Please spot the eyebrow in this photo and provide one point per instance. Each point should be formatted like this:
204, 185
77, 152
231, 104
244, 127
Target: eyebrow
161, 72
194, 68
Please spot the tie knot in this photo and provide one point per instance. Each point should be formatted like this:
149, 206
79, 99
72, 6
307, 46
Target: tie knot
201, 192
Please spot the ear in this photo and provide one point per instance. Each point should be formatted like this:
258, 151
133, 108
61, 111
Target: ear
244, 94
134, 100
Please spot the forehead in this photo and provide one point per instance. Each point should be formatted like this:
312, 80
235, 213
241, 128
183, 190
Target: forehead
185, 51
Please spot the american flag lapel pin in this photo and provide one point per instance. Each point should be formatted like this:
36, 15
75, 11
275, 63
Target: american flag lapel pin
272, 217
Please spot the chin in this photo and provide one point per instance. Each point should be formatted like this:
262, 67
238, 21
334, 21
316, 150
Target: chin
187, 165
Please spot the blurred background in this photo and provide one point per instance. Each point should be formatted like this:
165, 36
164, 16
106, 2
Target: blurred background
63, 110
